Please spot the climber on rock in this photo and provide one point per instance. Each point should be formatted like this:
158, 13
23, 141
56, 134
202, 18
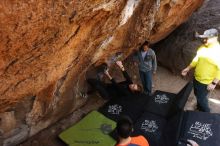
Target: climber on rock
114, 89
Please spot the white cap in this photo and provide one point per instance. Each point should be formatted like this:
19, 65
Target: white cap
209, 33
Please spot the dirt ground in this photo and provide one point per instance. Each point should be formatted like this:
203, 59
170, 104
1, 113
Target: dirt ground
166, 81
163, 80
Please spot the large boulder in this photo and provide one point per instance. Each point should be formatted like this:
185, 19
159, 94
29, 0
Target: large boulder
46, 48
178, 49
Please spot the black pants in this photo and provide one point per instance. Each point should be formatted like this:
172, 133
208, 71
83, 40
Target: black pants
201, 93
106, 90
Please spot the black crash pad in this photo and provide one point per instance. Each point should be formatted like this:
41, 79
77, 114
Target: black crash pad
130, 106
202, 127
167, 104
151, 127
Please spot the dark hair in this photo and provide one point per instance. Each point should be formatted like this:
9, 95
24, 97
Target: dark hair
124, 127
146, 43
140, 88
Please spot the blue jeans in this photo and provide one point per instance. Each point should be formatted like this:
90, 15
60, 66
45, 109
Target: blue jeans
146, 79
201, 92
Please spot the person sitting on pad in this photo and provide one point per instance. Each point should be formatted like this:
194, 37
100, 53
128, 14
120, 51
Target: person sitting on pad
124, 129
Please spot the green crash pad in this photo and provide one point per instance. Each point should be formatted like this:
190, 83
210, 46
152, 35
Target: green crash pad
92, 130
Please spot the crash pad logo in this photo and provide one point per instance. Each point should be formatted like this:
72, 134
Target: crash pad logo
92, 142
149, 126
115, 109
200, 130
104, 128
161, 99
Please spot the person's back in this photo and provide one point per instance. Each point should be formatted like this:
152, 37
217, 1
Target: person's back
124, 128
207, 63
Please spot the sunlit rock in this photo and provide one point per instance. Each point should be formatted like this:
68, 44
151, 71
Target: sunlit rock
46, 47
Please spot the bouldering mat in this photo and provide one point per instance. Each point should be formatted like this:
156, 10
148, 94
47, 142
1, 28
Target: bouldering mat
132, 107
151, 127
168, 104
92, 130
202, 127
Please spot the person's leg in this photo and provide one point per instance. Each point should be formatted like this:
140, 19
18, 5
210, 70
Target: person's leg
143, 80
195, 92
201, 94
100, 87
148, 77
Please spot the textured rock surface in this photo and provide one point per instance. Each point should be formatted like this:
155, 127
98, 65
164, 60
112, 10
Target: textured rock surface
176, 51
46, 47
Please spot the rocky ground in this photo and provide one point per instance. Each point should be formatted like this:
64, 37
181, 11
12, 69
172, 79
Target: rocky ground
166, 81
163, 80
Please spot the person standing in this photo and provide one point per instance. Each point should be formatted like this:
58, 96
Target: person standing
207, 68
147, 64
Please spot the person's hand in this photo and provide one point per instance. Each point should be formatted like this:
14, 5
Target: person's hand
196, 34
120, 65
107, 74
154, 72
185, 71
211, 87
193, 143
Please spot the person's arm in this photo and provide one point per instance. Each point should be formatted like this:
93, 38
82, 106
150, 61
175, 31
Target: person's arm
116, 85
125, 74
213, 84
111, 78
108, 75
192, 64
127, 77
193, 143
189, 67
186, 70
154, 61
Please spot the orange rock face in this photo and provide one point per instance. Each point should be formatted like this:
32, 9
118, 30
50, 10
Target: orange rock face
171, 14
46, 47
